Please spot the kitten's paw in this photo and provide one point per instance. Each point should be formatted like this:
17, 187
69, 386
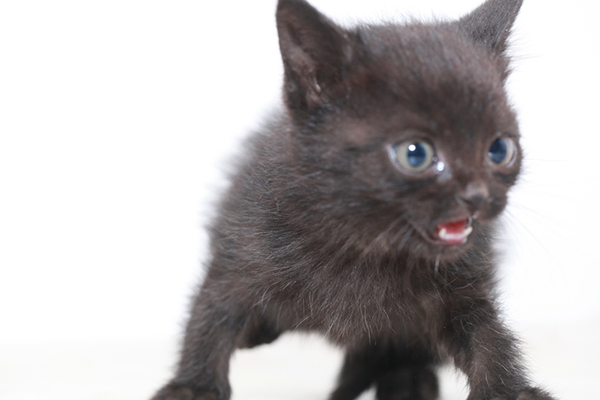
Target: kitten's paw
528, 394
534, 394
178, 392
408, 384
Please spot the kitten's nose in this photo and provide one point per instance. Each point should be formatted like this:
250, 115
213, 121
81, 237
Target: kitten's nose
474, 196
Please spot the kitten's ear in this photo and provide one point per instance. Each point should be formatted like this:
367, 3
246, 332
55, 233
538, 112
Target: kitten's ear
491, 23
315, 52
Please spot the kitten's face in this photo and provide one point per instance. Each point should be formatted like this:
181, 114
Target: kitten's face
443, 183
415, 135
439, 154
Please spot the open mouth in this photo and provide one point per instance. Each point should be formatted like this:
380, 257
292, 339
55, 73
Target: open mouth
453, 232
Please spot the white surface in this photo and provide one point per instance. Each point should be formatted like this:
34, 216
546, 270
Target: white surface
295, 367
115, 118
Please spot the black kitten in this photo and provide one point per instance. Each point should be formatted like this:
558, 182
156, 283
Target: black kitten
365, 212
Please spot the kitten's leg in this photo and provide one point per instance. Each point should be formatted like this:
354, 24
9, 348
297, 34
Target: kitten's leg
399, 374
259, 331
487, 353
216, 324
358, 373
416, 382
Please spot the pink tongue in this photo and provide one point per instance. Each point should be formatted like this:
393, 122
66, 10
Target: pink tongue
454, 227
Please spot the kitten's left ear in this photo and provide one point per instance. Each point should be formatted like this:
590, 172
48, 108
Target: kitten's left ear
316, 53
491, 22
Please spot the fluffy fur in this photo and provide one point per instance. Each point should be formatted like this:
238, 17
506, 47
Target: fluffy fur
323, 231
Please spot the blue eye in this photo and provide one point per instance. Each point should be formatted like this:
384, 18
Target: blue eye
414, 155
502, 151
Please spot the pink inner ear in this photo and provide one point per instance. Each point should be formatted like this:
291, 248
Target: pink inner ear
454, 226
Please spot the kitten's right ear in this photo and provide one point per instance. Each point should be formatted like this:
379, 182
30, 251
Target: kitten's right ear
316, 53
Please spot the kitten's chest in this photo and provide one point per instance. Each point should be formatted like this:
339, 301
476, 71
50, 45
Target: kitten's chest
354, 302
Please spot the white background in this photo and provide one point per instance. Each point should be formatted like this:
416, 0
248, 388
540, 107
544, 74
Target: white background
117, 119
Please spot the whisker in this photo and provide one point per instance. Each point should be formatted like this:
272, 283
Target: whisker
379, 237
407, 235
513, 217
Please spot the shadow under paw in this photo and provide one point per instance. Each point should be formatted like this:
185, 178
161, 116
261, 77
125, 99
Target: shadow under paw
175, 392
408, 384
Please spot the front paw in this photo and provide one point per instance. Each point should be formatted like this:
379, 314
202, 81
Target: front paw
179, 392
534, 394
528, 394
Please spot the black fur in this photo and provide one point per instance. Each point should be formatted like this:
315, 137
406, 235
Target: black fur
323, 231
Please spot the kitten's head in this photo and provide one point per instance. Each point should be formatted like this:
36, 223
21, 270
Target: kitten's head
406, 129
